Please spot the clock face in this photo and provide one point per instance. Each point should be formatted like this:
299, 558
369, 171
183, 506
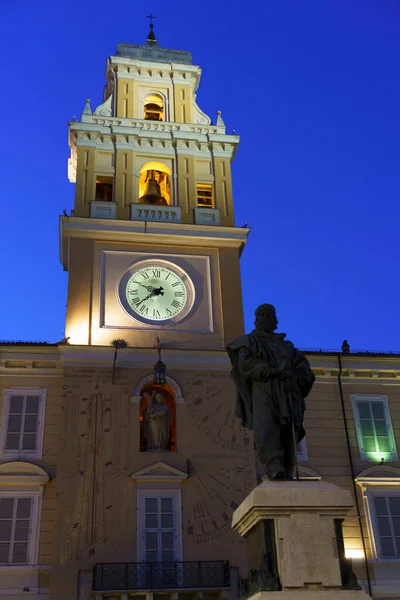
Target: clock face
156, 292
224, 473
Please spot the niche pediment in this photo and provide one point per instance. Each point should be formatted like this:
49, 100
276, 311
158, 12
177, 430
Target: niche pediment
159, 471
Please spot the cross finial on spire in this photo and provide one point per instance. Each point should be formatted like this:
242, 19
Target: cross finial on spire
151, 17
151, 37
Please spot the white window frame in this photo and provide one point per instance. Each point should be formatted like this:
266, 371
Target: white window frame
144, 493
375, 529
28, 454
388, 456
34, 524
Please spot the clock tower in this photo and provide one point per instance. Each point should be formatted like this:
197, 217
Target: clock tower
153, 463
151, 246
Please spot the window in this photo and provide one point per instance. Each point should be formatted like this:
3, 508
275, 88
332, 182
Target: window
386, 510
22, 424
159, 529
205, 195
374, 428
104, 188
380, 486
153, 108
15, 527
21, 493
155, 184
159, 515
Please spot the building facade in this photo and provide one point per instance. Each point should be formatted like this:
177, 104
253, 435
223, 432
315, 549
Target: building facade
118, 478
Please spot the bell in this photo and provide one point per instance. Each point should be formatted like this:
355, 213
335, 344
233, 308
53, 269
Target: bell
152, 193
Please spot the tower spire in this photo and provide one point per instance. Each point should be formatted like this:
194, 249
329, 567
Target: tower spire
151, 38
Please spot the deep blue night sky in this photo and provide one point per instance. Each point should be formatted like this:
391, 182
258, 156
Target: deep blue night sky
313, 90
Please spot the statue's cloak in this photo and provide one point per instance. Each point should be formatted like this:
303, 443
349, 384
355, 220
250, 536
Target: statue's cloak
253, 357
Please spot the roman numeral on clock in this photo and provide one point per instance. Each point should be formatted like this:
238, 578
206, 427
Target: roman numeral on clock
144, 310
144, 275
175, 304
135, 301
169, 313
176, 283
156, 313
178, 294
156, 272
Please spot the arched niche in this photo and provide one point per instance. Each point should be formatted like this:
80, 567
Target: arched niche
171, 383
146, 394
158, 175
154, 107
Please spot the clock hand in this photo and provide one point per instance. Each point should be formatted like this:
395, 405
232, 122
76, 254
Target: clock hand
158, 291
149, 288
147, 297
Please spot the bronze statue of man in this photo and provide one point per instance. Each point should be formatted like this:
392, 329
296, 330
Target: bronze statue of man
273, 379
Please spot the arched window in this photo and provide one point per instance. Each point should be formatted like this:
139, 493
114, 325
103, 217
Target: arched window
155, 184
153, 108
157, 418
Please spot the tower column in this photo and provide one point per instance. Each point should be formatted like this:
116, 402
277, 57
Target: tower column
223, 190
85, 180
124, 182
187, 198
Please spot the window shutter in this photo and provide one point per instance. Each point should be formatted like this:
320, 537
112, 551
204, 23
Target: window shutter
167, 530
30, 423
151, 529
14, 424
6, 523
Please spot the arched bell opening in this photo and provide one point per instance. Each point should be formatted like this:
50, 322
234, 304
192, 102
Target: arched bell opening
155, 184
154, 108
157, 418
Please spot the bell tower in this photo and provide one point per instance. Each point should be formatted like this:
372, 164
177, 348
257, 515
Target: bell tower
151, 247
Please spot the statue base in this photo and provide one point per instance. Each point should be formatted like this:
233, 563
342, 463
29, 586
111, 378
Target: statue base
295, 543
312, 595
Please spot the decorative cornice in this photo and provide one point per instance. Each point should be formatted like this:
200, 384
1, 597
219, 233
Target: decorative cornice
179, 234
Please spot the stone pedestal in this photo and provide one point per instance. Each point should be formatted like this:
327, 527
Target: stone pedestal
295, 543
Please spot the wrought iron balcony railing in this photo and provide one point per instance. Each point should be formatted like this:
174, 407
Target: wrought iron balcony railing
125, 577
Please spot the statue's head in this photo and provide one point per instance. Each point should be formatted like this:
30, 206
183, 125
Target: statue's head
159, 398
266, 318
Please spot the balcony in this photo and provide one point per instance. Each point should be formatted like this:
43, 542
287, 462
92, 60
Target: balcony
103, 210
155, 213
130, 577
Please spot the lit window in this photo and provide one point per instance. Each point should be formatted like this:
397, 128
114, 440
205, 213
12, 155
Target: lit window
155, 184
386, 510
153, 108
104, 188
374, 428
22, 424
15, 527
205, 195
